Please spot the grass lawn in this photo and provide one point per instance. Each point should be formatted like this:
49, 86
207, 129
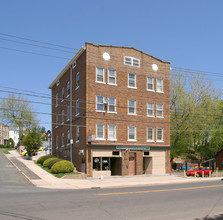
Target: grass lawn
58, 175
6, 152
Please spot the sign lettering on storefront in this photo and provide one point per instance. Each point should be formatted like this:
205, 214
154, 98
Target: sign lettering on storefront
132, 148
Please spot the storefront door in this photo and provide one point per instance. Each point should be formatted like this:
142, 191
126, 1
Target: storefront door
132, 164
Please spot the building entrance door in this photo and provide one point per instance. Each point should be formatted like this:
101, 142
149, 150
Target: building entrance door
132, 164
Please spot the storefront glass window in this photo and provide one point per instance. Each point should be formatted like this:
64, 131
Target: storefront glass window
101, 163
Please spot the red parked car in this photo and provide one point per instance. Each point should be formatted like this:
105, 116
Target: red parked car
199, 171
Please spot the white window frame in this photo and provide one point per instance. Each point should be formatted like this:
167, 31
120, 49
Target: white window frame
132, 87
109, 83
132, 61
103, 127
68, 113
62, 117
62, 140
77, 80
159, 110
150, 140
134, 107
56, 99
77, 107
62, 99
112, 105
57, 142
98, 110
135, 139
114, 138
68, 88
151, 90
151, 109
56, 121
158, 90
159, 140
77, 134
68, 137
103, 82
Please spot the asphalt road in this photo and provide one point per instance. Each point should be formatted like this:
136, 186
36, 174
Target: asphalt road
20, 200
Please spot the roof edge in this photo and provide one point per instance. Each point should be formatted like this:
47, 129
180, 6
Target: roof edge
70, 63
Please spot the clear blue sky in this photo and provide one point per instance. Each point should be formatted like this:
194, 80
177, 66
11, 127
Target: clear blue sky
189, 34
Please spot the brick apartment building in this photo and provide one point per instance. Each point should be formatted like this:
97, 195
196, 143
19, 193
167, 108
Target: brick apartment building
4, 134
111, 112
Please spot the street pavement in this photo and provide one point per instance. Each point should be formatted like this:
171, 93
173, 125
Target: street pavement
42, 179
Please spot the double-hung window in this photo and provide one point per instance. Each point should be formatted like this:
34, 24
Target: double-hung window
159, 110
77, 134
62, 140
100, 75
150, 134
77, 80
68, 88
77, 107
132, 80
68, 137
62, 94
100, 103
111, 104
111, 132
159, 135
62, 121
150, 109
131, 133
131, 107
57, 142
68, 113
112, 77
150, 83
56, 99
100, 132
159, 85
56, 120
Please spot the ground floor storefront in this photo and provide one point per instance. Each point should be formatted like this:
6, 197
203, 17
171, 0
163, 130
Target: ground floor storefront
127, 160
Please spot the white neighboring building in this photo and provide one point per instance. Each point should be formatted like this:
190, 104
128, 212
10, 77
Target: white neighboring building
14, 134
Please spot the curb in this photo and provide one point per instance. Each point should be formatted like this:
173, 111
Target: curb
19, 170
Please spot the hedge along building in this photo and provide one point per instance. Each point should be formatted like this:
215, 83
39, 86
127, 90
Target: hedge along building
111, 112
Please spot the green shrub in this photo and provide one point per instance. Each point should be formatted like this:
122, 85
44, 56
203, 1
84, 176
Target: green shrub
46, 162
53, 161
5, 146
43, 158
63, 166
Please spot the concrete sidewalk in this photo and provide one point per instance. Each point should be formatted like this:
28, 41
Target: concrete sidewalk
40, 178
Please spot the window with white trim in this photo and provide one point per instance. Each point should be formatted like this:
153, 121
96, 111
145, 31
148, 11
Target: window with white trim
100, 103
68, 137
100, 132
131, 107
150, 134
62, 115
56, 142
100, 75
131, 61
77, 107
159, 110
56, 120
62, 140
68, 113
62, 94
150, 109
112, 77
111, 132
56, 99
77, 80
159, 85
131, 133
68, 88
77, 134
111, 104
132, 80
150, 83
159, 134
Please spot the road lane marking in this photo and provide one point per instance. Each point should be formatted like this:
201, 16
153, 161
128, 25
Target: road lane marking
159, 190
